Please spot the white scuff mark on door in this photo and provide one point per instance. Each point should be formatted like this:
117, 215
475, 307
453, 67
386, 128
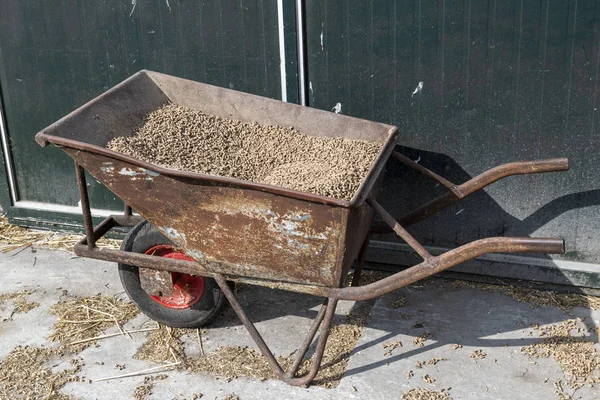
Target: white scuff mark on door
418, 159
417, 89
337, 108
282, 70
310, 88
322, 47
133, 3
168, 5
459, 211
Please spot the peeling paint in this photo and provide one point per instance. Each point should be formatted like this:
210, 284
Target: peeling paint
176, 236
107, 167
141, 173
234, 231
292, 232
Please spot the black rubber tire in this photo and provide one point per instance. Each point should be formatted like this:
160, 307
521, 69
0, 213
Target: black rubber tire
142, 237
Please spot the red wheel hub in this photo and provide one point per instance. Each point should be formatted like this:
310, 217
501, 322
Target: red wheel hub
187, 289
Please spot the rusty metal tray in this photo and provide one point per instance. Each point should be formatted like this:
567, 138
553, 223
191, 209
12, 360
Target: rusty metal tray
287, 235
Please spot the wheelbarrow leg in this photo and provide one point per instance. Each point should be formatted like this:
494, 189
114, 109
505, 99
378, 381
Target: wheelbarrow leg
85, 207
307, 341
325, 315
360, 263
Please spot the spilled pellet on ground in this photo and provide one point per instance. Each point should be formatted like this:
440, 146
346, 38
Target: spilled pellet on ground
227, 362
400, 301
537, 297
19, 303
478, 354
26, 373
568, 344
180, 138
390, 347
144, 391
425, 394
420, 340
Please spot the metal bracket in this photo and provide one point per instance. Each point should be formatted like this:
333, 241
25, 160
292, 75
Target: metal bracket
155, 282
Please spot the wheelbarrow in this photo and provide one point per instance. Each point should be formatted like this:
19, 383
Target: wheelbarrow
193, 234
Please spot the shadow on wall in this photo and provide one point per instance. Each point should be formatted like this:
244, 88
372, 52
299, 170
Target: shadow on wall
475, 217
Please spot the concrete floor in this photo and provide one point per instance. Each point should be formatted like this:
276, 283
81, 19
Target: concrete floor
492, 322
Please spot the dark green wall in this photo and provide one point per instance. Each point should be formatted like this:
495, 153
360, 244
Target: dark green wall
56, 55
502, 81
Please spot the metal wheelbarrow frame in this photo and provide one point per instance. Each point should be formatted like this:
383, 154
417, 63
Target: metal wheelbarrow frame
355, 214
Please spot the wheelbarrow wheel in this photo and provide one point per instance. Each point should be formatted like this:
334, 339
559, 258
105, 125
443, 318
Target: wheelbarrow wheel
195, 301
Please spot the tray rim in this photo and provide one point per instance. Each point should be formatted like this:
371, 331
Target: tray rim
43, 139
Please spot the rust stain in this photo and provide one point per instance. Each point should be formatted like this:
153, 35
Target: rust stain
156, 283
235, 231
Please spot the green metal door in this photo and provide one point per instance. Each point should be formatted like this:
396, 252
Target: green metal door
56, 55
470, 85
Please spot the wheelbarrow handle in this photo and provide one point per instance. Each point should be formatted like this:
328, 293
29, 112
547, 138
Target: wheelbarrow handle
457, 192
548, 165
513, 168
434, 265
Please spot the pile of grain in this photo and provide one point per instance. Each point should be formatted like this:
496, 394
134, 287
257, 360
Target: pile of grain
25, 373
420, 340
538, 298
184, 139
20, 305
479, 354
425, 394
163, 344
567, 344
390, 347
143, 391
